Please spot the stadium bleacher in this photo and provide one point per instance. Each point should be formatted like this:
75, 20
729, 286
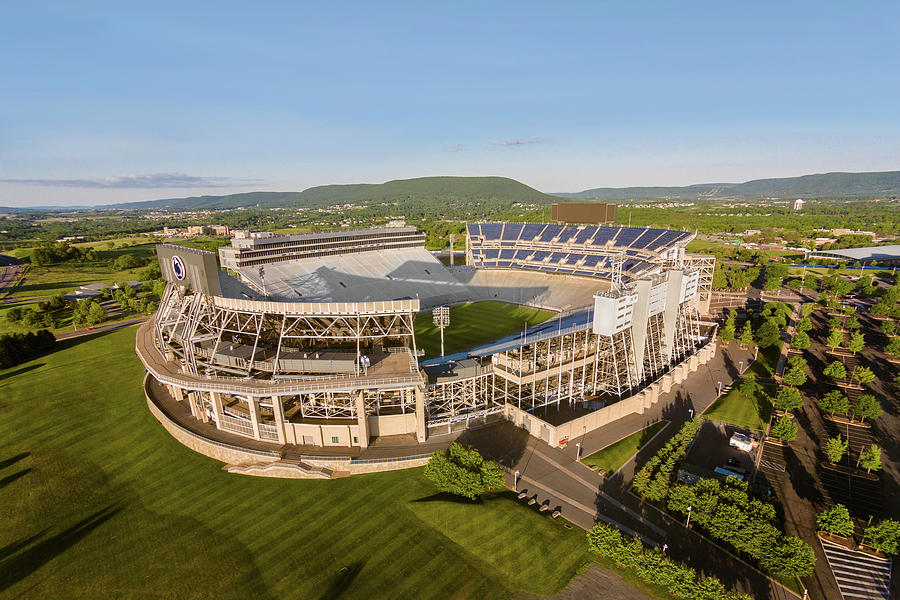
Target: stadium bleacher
363, 276
578, 250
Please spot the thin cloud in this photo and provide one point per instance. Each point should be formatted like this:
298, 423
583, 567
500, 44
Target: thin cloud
518, 142
151, 181
456, 148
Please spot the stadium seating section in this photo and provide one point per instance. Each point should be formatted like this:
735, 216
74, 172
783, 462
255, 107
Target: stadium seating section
587, 251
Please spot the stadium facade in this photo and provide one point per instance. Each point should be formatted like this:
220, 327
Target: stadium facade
308, 340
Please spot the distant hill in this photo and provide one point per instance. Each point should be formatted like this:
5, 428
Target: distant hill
885, 183
449, 191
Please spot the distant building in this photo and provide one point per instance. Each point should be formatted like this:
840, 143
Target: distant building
208, 230
886, 256
798, 204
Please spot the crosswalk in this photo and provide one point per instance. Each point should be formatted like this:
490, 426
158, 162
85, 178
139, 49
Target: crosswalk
859, 575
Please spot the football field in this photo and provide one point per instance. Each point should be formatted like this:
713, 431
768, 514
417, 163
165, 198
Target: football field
474, 324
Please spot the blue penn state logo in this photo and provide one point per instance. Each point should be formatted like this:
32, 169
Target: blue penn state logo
178, 268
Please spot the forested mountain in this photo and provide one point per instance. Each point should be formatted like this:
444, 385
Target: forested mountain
473, 192
885, 183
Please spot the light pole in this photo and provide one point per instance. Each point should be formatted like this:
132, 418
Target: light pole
688, 523
805, 593
691, 412
719, 383
740, 367
665, 547
441, 317
577, 450
516, 481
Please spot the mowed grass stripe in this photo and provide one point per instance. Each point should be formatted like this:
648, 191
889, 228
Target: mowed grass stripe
474, 324
178, 526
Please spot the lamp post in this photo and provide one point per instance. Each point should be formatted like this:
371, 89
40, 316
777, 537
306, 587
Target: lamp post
441, 317
516, 481
719, 383
665, 547
577, 450
740, 367
688, 523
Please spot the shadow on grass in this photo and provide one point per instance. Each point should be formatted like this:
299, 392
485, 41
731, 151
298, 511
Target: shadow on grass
27, 556
21, 370
448, 497
13, 459
342, 581
14, 477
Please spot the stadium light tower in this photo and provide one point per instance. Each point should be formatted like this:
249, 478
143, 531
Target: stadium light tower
441, 318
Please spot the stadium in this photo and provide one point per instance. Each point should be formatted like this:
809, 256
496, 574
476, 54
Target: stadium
291, 344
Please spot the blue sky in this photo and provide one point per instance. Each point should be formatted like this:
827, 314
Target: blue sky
102, 102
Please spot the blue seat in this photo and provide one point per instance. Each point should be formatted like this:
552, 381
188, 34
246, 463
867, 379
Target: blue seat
511, 231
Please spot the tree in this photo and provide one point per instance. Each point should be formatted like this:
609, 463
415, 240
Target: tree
889, 327
835, 402
788, 399
883, 535
127, 261
870, 459
893, 347
746, 336
768, 335
790, 557
801, 341
857, 342
748, 386
867, 407
784, 429
804, 324
853, 323
836, 322
835, 338
96, 314
835, 370
835, 520
836, 448
808, 308
727, 333
461, 470
862, 375
795, 373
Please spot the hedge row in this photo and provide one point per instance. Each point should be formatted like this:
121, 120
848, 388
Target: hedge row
653, 480
729, 513
653, 566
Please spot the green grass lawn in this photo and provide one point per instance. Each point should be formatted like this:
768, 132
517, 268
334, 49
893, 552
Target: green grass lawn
766, 361
474, 324
734, 408
98, 501
611, 458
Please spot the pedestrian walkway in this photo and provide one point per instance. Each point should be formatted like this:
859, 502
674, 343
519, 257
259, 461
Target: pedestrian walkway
858, 574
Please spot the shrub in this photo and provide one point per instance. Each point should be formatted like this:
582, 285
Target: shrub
836, 448
784, 429
835, 520
461, 470
653, 480
790, 557
653, 566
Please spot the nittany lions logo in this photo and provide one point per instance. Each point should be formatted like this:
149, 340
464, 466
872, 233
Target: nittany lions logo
178, 268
